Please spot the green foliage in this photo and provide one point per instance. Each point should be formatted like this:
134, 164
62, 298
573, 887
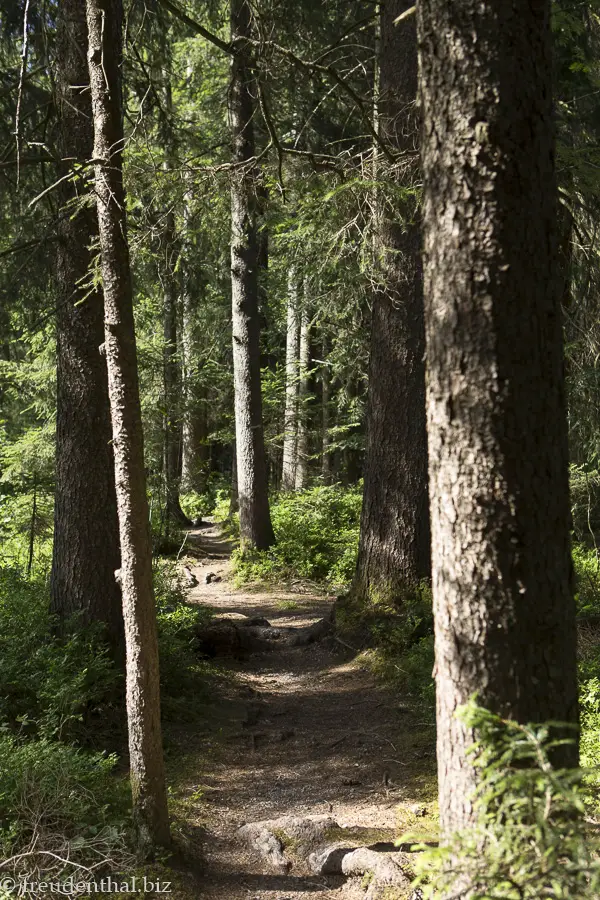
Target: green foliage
46, 685
399, 641
587, 579
585, 501
17, 519
589, 710
197, 505
61, 807
531, 840
177, 624
317, 538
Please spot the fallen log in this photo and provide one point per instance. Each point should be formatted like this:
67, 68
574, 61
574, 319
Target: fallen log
232, 638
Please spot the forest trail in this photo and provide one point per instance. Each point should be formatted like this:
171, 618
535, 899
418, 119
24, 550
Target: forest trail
300, 731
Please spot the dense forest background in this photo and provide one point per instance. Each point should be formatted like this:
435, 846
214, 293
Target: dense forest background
270, 156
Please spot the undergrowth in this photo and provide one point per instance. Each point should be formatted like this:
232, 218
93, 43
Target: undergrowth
64, 802
316, 538
531, 840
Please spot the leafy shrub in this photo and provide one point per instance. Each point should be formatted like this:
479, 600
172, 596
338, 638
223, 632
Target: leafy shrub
589, 701
530, 840
46, 685
317, 538
61, 807
400, 641
197, 505
177, 623
587, 579
585, 501
15, 527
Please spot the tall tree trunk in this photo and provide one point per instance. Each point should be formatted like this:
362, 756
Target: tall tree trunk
290, 421
498, 464
325, 417
195, 425
105, 22
172, 383
303, 394
86, 530
255, 518
194, 447
394, 552
234, 500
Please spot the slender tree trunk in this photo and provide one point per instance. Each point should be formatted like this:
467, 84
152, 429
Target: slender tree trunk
86, 530
352, 456
32, 525
234, 501
290, 422
325, 417
303, 395
255, 518
172, 365
498, 464
194, 446
172, 383
105, 19
195, 426
394, 554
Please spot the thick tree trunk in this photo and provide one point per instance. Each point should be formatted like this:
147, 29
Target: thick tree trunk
303, 395
255, 518
394, 552
105, 18
86, 530
290, 422
502, 581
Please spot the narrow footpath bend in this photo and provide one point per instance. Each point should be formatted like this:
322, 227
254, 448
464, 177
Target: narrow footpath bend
304, 732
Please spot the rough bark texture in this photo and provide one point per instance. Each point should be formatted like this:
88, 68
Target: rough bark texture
86, 530
104, 18
502, 580
394, 549
325, 417
255, 518
195, 449
290, 421
172, 380
194, 446
303, 394
234, 500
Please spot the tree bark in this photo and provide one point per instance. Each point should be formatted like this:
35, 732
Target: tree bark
86, 530
394, 551
105, 22
234, 500
172, 430
325, 417
194, 447
290, 422
303, 395
498, 464
255, 518
195, 426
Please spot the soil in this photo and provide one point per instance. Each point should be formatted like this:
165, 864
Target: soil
303, 731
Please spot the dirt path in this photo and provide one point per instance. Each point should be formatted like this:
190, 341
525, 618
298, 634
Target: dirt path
299, 731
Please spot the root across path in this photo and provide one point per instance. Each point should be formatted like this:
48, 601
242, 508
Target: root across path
305, 771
